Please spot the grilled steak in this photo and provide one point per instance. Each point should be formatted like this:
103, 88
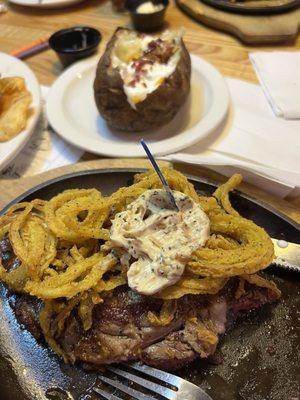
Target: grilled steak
27, 309
121, 330
7, 256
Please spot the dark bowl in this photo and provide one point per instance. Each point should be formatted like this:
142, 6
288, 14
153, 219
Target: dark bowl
146, 22
74, 43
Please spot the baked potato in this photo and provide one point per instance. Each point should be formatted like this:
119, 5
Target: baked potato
142, 81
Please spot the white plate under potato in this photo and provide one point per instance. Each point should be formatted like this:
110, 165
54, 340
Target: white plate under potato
72, 113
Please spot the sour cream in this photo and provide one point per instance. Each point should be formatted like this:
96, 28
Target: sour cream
153, 75
148, 8
160, 239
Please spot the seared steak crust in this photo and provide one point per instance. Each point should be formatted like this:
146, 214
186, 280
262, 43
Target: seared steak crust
121, 330
169, 354
27, 309
7, 256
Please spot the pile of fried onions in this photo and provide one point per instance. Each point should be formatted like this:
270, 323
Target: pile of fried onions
61, 261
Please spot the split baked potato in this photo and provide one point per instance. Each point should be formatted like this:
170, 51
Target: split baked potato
142, 81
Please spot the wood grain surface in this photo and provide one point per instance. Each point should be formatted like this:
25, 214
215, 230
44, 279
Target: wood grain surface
22, 25
256, 29
12, 189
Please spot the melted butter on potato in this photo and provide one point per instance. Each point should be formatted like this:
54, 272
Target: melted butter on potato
159, 238
131, 49
127, 49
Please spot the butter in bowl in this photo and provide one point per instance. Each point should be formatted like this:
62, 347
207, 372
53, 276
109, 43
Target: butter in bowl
147, 15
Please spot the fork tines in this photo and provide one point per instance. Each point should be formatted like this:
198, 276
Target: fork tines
106, 395
157, 388
154, 387
178, 388
123, 388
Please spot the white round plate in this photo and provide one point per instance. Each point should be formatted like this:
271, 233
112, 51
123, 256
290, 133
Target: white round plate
72, 112
46, 3
11, 66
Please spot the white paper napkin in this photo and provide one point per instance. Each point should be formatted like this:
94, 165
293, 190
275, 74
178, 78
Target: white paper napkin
265, 149
279, 75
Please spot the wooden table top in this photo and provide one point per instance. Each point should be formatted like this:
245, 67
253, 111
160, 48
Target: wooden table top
21, 25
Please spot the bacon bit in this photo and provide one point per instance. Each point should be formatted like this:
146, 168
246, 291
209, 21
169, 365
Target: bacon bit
139, 64
154, 44
132, 83
159, 51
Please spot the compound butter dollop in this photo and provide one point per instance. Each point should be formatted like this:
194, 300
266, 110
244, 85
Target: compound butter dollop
159, 238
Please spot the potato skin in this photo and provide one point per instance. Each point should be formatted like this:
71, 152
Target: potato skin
157, 109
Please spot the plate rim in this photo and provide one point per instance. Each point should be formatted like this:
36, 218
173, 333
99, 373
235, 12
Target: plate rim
217, 113
196, 178
33, 119
45, 4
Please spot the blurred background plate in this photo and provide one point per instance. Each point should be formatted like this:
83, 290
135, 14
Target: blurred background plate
11, 66
72, 113
46, 3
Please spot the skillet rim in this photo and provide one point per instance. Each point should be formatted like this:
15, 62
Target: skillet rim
195, 178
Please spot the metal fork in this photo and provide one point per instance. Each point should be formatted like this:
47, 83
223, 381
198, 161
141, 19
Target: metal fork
179, 389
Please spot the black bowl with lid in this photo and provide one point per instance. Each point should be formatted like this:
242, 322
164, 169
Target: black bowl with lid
72, 44
149, 21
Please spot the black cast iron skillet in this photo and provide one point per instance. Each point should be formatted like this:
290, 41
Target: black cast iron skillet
258, 359
242, 7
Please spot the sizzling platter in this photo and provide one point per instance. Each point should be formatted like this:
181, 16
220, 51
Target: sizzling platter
262, 216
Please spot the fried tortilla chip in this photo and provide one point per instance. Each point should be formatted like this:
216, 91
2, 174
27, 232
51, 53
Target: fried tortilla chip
15, 101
